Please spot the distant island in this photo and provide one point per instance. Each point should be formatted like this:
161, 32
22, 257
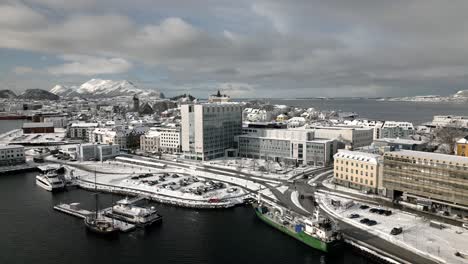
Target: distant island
460, 96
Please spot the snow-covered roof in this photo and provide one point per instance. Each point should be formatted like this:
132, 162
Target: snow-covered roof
358, 156
463, 140
84, 124
37, 124
10, 146
428, 156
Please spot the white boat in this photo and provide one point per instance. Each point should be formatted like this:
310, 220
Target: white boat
141, 216
50, 181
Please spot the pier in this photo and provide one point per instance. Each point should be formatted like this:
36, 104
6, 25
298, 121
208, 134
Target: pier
72, 209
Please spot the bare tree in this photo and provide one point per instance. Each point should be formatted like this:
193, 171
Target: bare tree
449, 135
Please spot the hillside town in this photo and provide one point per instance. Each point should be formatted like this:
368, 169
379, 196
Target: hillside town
219, 152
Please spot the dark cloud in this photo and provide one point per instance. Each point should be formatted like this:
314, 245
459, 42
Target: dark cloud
288, 48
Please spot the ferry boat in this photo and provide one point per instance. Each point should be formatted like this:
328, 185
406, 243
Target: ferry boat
319, 233
50, 181
124, 210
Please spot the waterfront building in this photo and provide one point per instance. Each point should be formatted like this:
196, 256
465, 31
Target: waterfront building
11, 155
450, 121
209, 129
81, 130
462, 147
358, 170
98, 152
169, 139
150, 141
384, 129
38, 128
297, 146
219, 98
352, 137
436, 182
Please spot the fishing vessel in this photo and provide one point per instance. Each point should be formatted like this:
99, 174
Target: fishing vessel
50, 181
319, 232
124, 210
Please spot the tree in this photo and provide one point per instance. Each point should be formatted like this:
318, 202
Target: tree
449, 135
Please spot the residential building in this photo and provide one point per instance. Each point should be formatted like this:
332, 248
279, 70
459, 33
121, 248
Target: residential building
209, 129
11, 155
38, 128
433, 181
150, 141
98, 152
358, 170
169, 139
286, 145
81, 130
462, 147
352, 137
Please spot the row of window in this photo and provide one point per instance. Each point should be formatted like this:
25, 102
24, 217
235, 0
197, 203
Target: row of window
354, 179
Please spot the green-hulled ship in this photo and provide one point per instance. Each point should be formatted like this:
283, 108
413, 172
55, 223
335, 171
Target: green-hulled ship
319, 233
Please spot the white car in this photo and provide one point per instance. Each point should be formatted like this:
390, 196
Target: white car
465, 225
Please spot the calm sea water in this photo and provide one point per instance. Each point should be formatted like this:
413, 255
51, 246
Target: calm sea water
416, 112
32, 232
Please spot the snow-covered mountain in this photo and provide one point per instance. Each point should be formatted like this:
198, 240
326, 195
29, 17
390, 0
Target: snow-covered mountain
102, 88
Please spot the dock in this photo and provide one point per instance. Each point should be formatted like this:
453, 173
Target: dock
72, 209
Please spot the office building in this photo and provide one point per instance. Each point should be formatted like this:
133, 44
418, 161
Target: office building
436, 182
209, 129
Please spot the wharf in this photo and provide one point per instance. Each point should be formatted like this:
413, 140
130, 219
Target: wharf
18, 168
72, 209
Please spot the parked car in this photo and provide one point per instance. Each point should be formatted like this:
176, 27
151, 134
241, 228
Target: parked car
352, 216
388, 212
371, 223
396, 231
364, 207
374, 210
465, 225
364, 221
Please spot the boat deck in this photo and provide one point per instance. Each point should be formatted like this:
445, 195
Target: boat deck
72, 209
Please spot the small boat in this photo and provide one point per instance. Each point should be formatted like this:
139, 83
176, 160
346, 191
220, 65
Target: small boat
99, 225
50, 181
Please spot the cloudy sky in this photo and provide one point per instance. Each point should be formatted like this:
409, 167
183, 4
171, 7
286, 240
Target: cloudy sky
256, 48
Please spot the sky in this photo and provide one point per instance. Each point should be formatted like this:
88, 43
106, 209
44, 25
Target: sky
256, 48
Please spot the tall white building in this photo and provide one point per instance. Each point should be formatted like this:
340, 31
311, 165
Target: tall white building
209, 129
94, 151
11, 155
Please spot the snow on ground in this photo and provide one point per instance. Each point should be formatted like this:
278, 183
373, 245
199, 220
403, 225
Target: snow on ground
295, 200
16, 136
418, 236
283, 189
327, 183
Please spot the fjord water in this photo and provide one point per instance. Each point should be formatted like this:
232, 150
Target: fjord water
32, 232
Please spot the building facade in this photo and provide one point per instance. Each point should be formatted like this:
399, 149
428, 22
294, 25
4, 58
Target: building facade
11, 155
81, 130
462, 147
285, 145
169, 140
38, 128
98, 152
209, 129
352, 137
150, 141
437, 182
358, 170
